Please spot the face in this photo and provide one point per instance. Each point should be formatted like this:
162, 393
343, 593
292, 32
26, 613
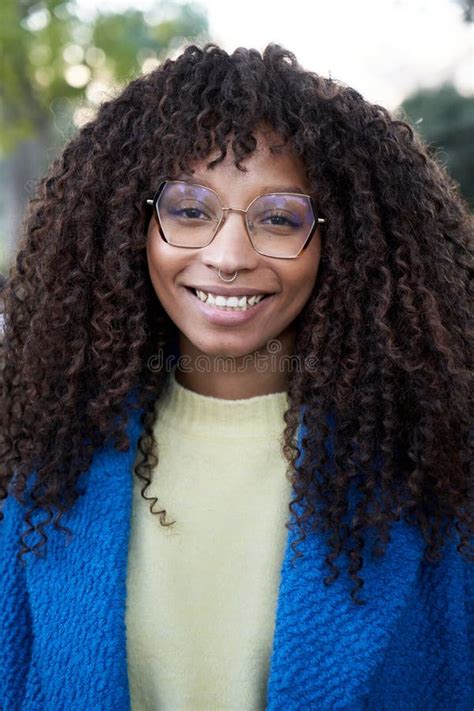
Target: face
176, 271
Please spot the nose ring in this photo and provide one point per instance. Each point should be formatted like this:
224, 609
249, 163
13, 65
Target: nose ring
221, 277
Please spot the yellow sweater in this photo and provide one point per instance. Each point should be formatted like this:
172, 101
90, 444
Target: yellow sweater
201, 594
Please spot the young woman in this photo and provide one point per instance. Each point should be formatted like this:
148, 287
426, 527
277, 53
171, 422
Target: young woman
236, 414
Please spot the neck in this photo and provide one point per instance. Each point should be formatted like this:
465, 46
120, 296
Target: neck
237, 377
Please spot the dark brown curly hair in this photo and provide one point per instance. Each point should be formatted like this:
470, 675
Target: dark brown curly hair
386, 330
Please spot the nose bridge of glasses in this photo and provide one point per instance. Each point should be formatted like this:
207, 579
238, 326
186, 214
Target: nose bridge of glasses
227, 210
234, 209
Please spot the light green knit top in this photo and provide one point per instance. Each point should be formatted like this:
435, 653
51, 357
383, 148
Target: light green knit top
201, 594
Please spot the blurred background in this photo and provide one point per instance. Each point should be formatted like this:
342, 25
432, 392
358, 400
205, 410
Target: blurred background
61, 59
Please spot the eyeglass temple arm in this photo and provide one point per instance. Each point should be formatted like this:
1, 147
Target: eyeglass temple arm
150, 202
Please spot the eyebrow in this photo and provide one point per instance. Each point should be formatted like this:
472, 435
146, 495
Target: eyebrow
187, 177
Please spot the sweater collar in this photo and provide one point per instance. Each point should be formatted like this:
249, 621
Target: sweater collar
78, 598
191, 412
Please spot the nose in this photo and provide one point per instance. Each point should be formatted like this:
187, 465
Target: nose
231, 249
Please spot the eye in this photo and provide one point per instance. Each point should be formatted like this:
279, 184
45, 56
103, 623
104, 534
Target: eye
192, 212
279, 219
189, 212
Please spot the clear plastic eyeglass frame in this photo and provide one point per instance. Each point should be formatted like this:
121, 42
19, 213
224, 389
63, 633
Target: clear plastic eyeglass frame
317, 220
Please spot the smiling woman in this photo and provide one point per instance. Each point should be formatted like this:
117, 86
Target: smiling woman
236, 373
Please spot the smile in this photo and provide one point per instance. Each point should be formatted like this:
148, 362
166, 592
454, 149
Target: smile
221, 314
238, 303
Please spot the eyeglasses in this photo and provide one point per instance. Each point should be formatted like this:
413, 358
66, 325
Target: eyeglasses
278, 225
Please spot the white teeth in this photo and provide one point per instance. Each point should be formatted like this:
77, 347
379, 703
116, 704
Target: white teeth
235, 302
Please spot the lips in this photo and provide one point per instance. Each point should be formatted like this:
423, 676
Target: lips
228, 317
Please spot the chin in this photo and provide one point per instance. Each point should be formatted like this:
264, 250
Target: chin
225, 347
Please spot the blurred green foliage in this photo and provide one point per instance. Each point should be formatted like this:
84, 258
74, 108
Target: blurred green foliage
445, 119
49, 54
137, 38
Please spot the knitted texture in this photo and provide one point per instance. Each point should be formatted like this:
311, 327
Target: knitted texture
62, 623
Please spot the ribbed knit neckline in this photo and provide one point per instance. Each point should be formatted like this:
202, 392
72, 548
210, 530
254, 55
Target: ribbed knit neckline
191, 412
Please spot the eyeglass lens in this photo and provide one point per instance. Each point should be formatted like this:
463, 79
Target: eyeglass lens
278, 224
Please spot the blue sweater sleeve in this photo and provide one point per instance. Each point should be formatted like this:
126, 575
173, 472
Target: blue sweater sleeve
469, 580
15, 619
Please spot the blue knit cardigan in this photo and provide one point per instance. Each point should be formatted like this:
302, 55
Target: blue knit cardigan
63, 635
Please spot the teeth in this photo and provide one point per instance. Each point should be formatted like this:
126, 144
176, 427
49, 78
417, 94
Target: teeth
235, 302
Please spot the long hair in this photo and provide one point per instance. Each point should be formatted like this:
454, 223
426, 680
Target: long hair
383, 340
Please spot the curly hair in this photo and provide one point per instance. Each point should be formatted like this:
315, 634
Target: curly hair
386, 329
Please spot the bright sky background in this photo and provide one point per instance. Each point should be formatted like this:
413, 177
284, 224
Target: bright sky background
383, 48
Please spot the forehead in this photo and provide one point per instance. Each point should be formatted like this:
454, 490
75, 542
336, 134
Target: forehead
263, 190
271, 167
